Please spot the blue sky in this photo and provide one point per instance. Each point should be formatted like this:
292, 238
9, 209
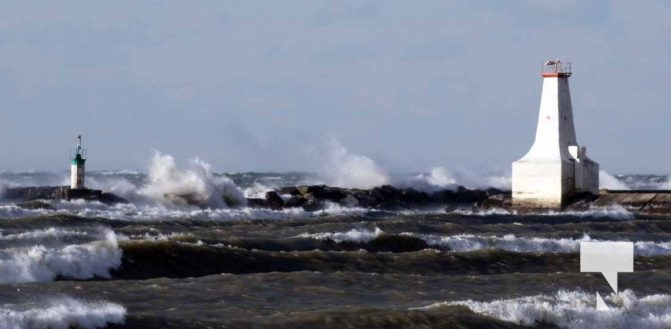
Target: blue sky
262, 85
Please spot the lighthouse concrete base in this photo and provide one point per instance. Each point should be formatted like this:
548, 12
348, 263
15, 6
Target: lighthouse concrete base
542, 184
552, 183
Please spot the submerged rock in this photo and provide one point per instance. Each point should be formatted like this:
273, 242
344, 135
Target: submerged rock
35, 205
26, 195
274, 200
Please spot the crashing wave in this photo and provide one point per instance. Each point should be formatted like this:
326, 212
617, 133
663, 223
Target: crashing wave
170, 185
62, 312
43, 262
345, 169
610, 182
577, 310
353, 235
472, 242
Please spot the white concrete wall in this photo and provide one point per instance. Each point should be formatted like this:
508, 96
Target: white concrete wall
554, 131
77, 176
542, 184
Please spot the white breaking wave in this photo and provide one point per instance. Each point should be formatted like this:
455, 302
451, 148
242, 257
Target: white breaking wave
256, 190
441, 178
41, 263
613, 211
610, 182
353, 235
344, 169
41, 234
510, 242
662, 186
472, 242
170, 185
577, 310
61, 313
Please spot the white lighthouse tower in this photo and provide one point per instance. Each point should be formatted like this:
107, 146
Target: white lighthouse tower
77, 166
556, 168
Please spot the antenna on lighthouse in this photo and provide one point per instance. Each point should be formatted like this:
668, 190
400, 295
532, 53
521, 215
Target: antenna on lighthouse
77, 166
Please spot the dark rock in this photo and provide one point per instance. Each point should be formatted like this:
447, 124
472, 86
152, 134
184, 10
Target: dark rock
349, 201
384, 193
495, 201
313, 204
186, 199
470, 196
25, 194
392, 205
324, 192
414, 197
295, 201
365, 199
35, 205
257, 203
442, 196
493, 191
110, 199
292, 190
302, 190
35, 193
274, 200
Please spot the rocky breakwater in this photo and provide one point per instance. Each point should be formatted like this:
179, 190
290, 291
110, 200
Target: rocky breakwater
317, 197
33, 197
387, 197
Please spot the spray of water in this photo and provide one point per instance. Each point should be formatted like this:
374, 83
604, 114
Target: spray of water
440, 178
195, 185
345, 169
608, 181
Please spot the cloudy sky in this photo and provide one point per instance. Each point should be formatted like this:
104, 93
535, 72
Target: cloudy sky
263, 85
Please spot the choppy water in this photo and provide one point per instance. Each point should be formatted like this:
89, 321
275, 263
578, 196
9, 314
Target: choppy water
152, 265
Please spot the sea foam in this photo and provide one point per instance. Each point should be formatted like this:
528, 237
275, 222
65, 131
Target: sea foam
510, 242
353, 235
576, 310
345, 169
472, 242
42, 262
61, 313
167, 183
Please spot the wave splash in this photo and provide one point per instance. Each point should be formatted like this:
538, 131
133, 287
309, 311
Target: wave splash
353, 235
47, 257
577, 310
472, 242
610, 182
62, 312
196, 185
344, 169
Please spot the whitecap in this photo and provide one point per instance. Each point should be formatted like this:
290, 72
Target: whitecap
41, 262
577, 310
61, 313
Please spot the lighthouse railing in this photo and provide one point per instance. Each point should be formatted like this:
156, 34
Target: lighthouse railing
562, 68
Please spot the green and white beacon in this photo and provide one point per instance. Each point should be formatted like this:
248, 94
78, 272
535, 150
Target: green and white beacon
77, 166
